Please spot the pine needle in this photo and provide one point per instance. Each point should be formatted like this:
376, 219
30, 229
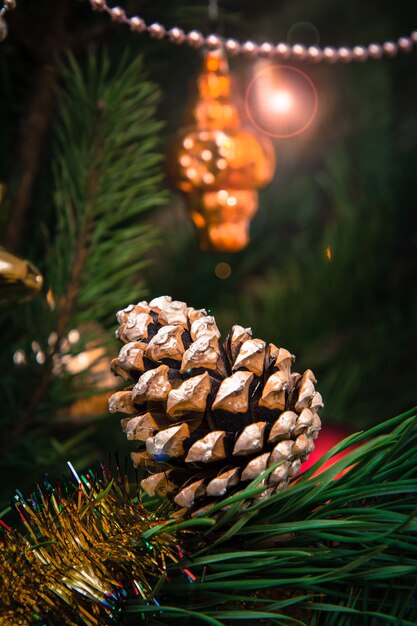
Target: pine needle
331, 550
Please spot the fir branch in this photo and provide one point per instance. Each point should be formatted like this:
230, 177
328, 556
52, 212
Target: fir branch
341, 551
69, 298
321, 551
107, 174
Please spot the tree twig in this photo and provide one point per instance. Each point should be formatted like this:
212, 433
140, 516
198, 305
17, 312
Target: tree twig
67, 302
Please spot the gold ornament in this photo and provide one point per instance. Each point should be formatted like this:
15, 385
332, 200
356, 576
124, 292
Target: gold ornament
211, 416
19, 279
218, 164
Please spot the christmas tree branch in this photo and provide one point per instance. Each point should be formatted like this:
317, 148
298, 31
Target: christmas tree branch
107, 174
321, 551
342, 549
69, 299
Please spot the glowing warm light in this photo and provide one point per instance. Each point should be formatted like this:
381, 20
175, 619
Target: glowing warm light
40, 357
223, 270
188, 143
73, 336
50, 299
212, 64
19, 357
281, 102
52, 339
225, 147
221, 139
191, 172
185, 160
208, 178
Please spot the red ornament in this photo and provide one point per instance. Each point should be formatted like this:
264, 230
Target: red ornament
329, 437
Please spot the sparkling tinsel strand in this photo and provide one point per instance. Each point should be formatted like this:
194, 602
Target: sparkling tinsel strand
79, 555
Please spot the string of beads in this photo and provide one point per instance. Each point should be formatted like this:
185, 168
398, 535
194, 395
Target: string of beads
8, 5
296, 52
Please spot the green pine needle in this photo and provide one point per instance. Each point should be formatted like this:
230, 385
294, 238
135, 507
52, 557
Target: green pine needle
107, 178
332, 549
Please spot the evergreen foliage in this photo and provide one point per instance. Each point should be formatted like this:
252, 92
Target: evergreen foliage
328, 550
107, 175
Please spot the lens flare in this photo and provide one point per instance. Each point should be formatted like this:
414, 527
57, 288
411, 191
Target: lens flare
281, 101
223, 270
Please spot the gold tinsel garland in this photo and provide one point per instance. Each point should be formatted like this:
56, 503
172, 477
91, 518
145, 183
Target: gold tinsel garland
81, 552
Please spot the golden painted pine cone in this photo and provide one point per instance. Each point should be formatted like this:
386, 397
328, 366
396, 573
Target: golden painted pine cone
211, 416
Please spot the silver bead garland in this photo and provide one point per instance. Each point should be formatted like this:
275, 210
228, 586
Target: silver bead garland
8, 5
3, 29
281, 51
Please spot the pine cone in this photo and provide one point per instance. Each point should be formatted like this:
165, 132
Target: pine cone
212, 416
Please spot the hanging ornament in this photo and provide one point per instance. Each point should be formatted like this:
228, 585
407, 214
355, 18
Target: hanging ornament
218, 164
19, 279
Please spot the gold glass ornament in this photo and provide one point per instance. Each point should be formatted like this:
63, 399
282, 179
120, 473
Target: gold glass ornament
218, 164
19, 279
